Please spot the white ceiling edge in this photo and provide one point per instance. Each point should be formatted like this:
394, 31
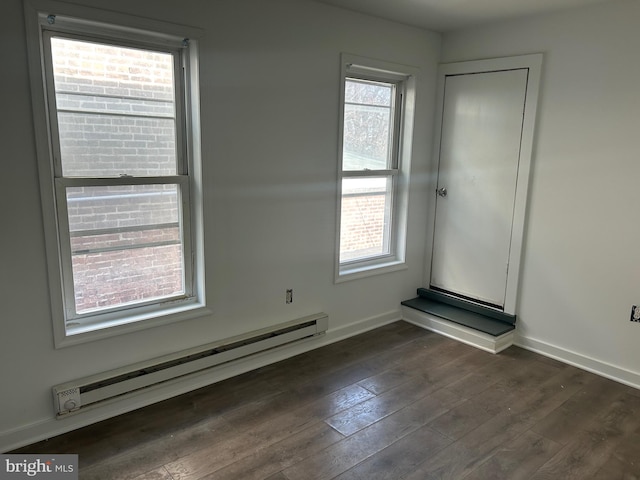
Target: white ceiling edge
447, 15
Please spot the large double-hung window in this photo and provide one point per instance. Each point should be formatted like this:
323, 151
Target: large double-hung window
118, 160
374, 156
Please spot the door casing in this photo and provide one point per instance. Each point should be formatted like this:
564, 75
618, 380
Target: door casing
533, 63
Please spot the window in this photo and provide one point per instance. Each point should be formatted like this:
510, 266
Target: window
374, 158
119, 172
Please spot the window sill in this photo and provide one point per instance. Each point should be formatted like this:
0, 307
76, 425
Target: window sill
79, 334
354, 272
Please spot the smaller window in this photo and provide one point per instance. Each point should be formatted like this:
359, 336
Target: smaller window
373, 168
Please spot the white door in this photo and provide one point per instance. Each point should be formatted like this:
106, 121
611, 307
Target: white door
480, 148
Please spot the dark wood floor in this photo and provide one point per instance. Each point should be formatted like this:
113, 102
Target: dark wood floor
395, 403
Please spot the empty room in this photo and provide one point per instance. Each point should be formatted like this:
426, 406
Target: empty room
313, 239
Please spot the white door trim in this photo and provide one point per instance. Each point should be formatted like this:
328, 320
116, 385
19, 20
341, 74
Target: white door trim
534, 64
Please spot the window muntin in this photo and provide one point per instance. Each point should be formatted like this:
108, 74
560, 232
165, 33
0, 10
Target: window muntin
116, 157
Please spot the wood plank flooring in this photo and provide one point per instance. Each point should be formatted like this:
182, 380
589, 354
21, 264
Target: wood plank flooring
394, 403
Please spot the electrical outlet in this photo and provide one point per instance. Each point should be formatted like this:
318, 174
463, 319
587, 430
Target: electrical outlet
289, 295
635, 313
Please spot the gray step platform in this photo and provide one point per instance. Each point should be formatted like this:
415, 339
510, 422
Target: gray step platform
460, 316
486, 328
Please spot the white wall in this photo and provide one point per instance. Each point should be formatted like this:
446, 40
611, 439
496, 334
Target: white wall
581, 269
269, 81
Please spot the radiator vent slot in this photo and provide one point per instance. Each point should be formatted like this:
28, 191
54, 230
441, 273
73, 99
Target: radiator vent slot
98, 388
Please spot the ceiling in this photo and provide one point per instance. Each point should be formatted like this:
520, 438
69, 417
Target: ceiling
446, 15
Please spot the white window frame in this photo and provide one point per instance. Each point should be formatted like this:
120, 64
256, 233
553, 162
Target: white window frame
44, 18
405, 79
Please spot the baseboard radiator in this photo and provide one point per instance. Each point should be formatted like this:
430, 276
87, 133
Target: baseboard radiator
74, 396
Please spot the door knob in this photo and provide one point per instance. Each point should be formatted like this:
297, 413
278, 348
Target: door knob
442, 191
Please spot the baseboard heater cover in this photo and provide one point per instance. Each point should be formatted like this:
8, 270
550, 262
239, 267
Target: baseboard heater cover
73, 396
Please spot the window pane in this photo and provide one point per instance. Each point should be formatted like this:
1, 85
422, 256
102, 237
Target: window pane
104, 146
368, 123
126, 244
365, 218
116, 109
368, 92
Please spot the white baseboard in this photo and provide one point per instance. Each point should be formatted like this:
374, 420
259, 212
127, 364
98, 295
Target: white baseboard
593, 365
463, 334
361, 326
50, 427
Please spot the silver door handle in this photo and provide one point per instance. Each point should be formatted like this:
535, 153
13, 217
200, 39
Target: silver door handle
441, 191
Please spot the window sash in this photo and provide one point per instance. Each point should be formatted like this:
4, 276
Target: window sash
179, 72
395, 107
388, 239
66, 254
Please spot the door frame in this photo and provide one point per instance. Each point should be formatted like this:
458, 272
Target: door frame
533, 63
